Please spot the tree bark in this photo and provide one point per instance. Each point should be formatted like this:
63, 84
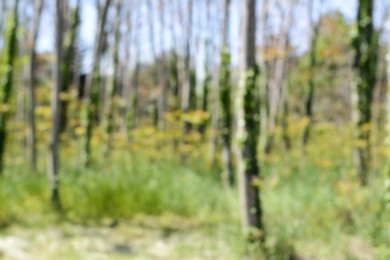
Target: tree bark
6, 85
187, 91
162, 71
387, 176
247, 116
55, 110
275, 86
126, 75
365, 45
69, 69
92, 85
31, 139
114, 85
225, 101
206, 86
315, 31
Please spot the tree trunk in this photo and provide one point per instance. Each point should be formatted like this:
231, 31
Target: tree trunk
92, 85
315, 31
207, 78
126, 77
264, 65
3, 10
275, 86
69, 68
55, 110
365, 45
387, 176
133, 114
174, 80
114, 85
6, 85
187, 91
162, 72
225, 101
31, 139
247, 116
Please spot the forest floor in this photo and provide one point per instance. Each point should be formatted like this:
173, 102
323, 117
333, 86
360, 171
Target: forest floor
143, 238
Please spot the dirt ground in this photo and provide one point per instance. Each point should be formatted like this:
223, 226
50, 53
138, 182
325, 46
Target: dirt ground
145, 239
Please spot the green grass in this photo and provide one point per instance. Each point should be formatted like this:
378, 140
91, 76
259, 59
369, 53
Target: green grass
307, 212
134, 185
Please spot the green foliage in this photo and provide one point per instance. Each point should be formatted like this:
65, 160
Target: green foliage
329, 76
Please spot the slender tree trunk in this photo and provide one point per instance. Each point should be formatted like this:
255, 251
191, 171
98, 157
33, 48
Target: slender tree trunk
31, 139
225, 101
207, 78
264, 79
174, 80
135, 116
276, 83
126, 77
156, 75
315, 31
55, 110
174, 66
2, 14
114, 85
135, 81
387, 176
365, 45
205, 95
162, 71
6, 85
69, 69
187, 91
247, 116
92, 85
284, 121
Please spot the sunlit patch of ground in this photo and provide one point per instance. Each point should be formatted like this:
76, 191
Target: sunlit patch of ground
145, 238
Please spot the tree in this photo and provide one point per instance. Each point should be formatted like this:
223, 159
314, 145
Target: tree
91, 85
315, 31
187, 90
365, 45
276, 92
115, 77
55, 110
387, 176
69, 69
225, 101
6, 81
206, 84
162, 70
126, 75
247, 116
38, 6
136, 73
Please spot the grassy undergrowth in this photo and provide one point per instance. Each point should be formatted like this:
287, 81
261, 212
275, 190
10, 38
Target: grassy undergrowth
314, 207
